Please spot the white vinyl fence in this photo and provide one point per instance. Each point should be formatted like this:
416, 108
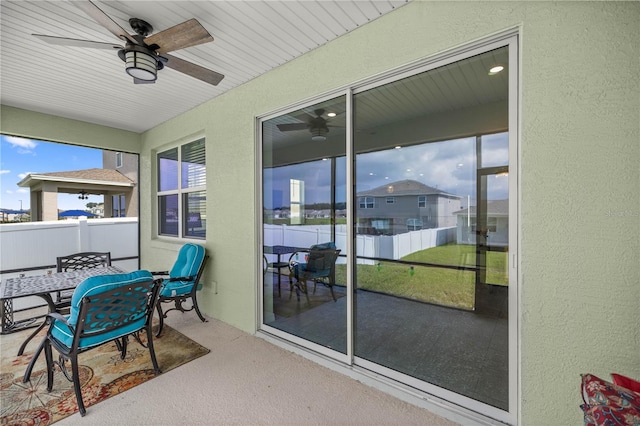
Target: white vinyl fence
376, 246
37, 244
33, 244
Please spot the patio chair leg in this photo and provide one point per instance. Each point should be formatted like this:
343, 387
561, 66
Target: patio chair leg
194, 300
292, 286
152, 352
305, 290
161, 317
332, 293
32, 363
76, 384
50, 365
123, 347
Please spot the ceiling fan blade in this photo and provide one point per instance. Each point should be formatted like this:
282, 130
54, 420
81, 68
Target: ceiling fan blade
292, 126
103, 19
193, 70
187, 34
72, 42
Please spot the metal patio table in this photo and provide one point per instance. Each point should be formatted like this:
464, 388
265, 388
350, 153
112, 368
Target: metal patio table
279, 250
42, 286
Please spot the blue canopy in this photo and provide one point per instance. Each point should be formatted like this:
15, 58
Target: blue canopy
9, 211
71, 213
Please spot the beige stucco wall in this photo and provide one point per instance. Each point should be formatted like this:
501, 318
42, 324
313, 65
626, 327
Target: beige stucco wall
579, 217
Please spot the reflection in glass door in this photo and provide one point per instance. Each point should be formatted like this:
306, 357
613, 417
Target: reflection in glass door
304, 224
427, 232
492, 230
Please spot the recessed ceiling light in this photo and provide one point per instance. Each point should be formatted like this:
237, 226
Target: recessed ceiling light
331, 114
496, 69
398, 147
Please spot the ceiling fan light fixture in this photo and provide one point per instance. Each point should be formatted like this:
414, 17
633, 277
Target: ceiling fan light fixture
141, 65
319, 134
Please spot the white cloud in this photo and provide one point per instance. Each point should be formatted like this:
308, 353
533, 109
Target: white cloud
4, 172
23, 175
22, 191
8, 191
25, 146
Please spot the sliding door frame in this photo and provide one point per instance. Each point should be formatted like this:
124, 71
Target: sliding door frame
437, 395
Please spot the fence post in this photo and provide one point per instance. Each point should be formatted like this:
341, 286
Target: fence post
83, 234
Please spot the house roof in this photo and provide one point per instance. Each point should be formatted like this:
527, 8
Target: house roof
494, 208
403, 187
96, 176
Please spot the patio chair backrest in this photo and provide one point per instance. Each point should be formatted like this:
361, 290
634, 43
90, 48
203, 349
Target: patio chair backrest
189, 261
85, 260
322, 262
106, 307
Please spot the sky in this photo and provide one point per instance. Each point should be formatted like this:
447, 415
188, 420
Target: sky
449, 166
18, 157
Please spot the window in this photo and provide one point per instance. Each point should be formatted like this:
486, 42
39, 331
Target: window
118, 205
182, 176
391, 200
118, 160
422, 201
365, 202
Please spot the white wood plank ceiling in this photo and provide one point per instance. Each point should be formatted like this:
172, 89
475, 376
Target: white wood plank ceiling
251, 38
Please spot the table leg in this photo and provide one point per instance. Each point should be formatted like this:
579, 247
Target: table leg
32, 363
7, 315
52, 308
279, 276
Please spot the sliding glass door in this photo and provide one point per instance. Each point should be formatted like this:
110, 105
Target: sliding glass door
304, 207
417, 198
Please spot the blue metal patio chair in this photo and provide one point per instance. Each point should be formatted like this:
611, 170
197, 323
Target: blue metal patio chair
183, 282
73, 262
319, 266
104, 308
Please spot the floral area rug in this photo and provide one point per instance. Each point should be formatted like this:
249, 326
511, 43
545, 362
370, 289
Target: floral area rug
102, 375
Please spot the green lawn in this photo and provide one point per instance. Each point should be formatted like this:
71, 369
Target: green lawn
448, 287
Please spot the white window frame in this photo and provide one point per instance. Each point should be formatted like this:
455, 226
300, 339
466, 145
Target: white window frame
180, 192
366, 202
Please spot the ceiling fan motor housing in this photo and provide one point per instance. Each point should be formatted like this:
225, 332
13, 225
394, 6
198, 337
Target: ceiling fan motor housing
140, 26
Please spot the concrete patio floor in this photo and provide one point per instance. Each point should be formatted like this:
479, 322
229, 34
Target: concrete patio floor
246, 380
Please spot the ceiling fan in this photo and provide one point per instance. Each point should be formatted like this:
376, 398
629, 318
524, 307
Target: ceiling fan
142, 53
316, 124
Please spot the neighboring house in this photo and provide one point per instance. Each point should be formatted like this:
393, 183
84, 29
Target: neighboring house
116, 181
270, 214
497, 223
124, 203
317, 214
98, 210
404, 206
